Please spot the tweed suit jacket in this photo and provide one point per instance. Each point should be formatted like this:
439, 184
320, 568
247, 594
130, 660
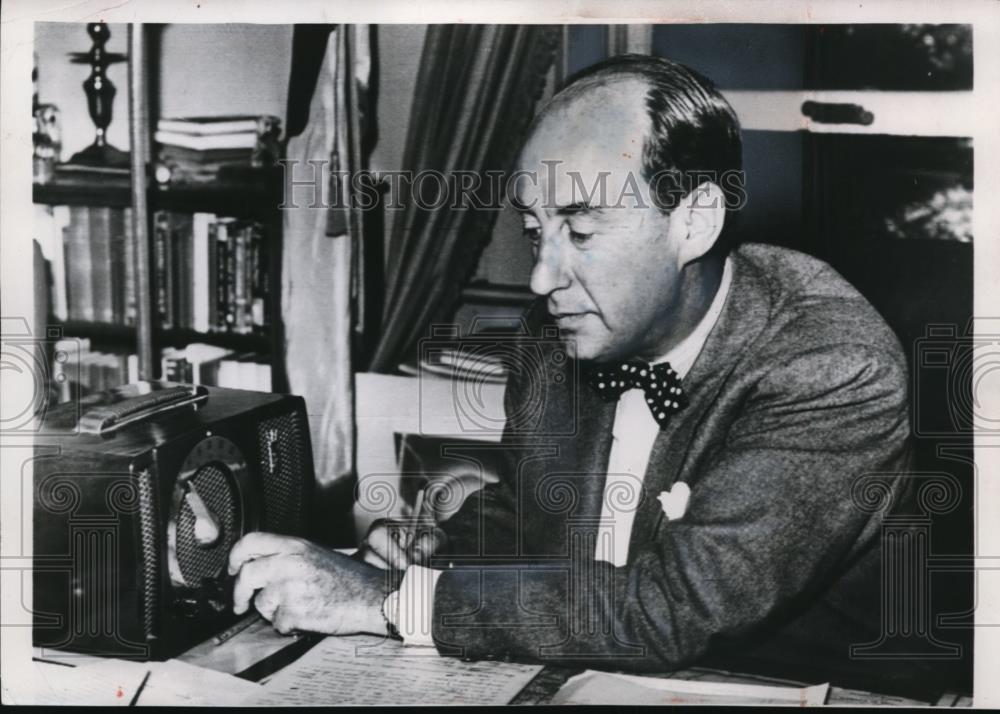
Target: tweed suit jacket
799, 391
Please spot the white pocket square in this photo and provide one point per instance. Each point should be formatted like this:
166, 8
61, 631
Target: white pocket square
675, 501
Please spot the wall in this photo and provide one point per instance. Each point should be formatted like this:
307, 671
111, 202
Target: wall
225, 69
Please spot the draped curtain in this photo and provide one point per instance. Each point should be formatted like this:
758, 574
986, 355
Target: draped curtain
319, 246
475, 94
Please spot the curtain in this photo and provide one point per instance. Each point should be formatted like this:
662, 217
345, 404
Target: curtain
475, 95
318, 248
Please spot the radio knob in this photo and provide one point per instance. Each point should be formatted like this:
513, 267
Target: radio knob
206, 525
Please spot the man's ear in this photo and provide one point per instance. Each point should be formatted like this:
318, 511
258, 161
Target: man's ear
704, 214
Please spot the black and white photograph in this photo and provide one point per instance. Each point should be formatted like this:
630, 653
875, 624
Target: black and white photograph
500, 354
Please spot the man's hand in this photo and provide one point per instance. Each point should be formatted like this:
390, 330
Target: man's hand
400, 544
303, 586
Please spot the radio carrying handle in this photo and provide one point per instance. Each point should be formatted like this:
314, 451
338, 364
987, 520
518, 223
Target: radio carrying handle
108, 418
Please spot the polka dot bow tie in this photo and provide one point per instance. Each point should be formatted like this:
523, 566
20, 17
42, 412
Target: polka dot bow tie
659, 382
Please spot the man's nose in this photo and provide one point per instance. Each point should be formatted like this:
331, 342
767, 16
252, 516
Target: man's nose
549, 272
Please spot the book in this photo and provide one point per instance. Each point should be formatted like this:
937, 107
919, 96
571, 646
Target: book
181, 241
260, 278
129, 282
263, 377
194, 157
228, 374
242, 140
117, 240
132, 368
87, 171
95, 370
232, 229
239, 292
223, 274
226, 124
100, 262
213, 276
50, 223
162, 269
201, 263
204, 360
79, 287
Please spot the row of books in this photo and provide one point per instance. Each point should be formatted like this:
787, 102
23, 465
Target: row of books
90, 250
211, 274
195, 150
85, 370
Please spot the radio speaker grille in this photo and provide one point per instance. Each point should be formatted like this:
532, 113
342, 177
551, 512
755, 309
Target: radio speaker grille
150, 555
282, 457
198, 563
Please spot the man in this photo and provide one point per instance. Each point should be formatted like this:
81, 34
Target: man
681, 461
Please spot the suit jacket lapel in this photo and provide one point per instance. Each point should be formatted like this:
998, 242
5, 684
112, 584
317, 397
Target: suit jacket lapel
581, 462
593, 447
743, 317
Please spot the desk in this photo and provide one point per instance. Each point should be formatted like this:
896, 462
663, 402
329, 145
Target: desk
258, 652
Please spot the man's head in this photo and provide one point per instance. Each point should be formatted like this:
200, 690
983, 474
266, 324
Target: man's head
622, 202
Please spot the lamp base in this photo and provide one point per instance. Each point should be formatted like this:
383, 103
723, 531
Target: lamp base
102, 155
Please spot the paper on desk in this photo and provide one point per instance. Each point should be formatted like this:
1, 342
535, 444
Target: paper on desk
179, 684
55, 684
592, 687
373, 670
840, 697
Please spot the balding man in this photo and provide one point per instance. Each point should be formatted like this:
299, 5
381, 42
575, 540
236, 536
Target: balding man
680, 474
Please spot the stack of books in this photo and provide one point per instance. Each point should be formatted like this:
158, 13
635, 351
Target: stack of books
200, 150
211, 274
199, 363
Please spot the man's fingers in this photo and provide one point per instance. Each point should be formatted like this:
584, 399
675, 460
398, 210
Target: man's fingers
267, 600
283, 621
425, 545
257, 545
254, 575
382, 540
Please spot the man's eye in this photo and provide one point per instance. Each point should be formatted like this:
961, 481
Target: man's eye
578, 237
533, 234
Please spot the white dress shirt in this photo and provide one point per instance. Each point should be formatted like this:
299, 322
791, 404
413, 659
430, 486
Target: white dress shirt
633, 434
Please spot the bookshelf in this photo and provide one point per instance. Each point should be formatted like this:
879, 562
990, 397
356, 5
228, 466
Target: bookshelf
248, 201
257, 198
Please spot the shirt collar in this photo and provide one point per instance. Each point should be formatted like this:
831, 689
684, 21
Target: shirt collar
683, 355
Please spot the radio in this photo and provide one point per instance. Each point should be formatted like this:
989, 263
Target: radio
139, 494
